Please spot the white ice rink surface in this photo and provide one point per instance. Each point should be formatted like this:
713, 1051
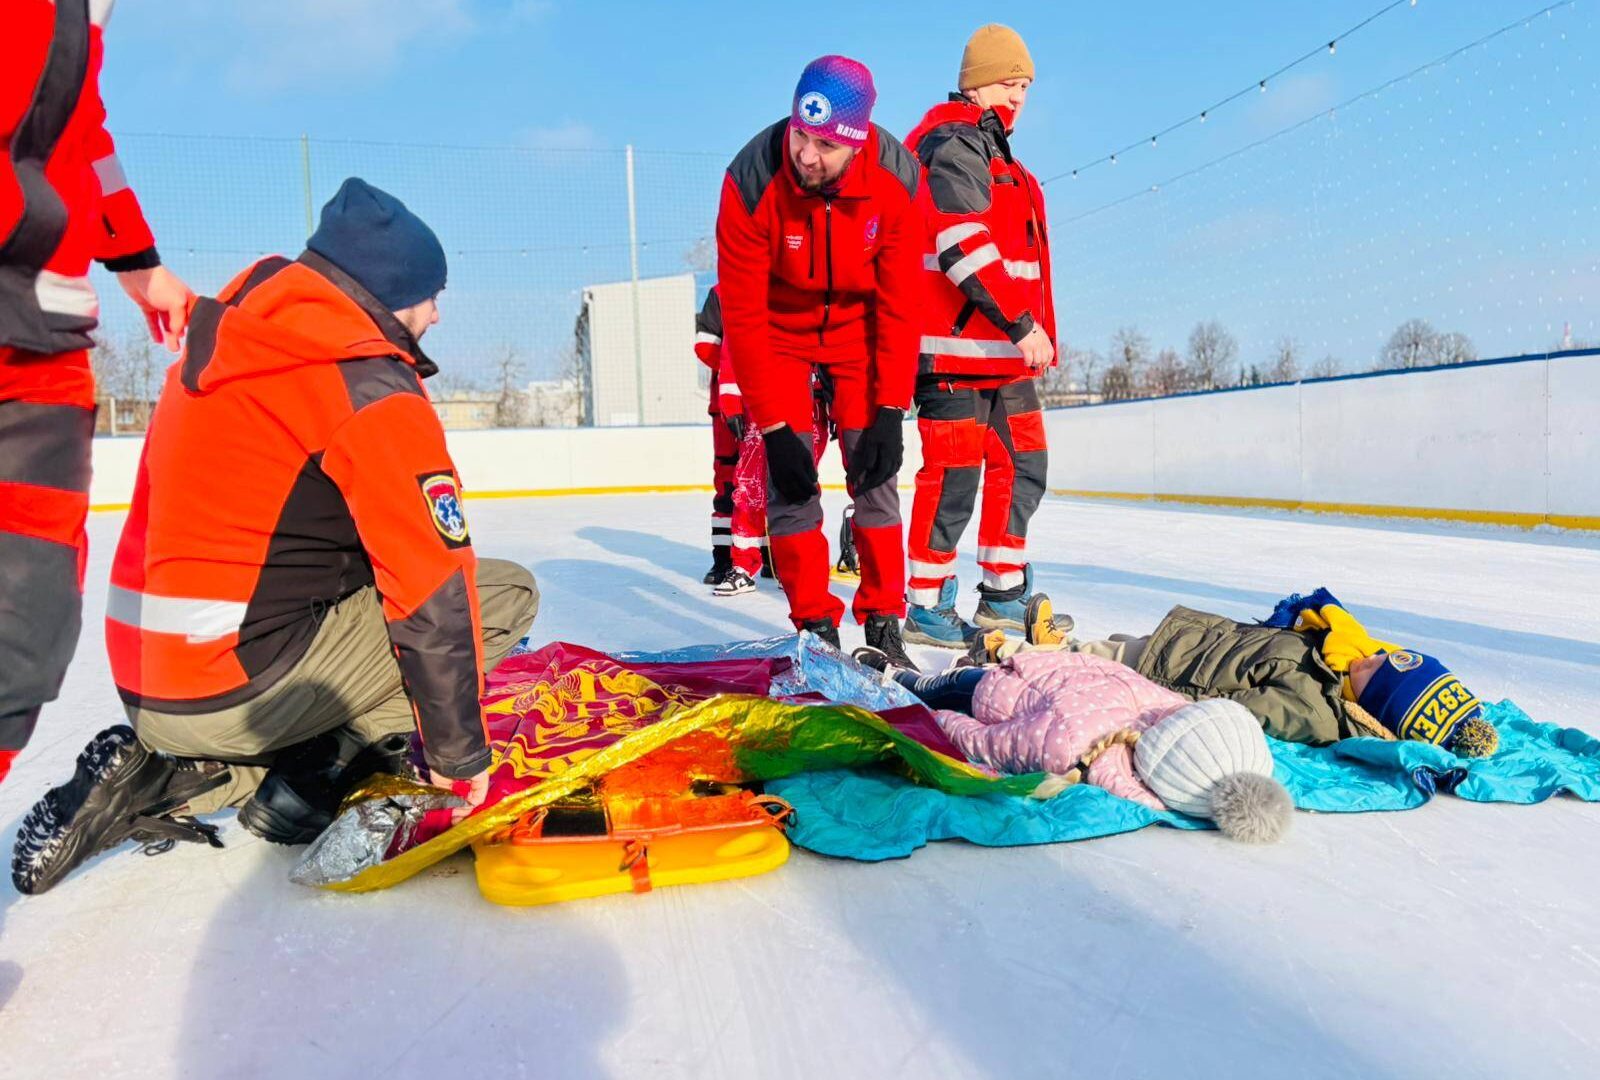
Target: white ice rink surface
1458, 940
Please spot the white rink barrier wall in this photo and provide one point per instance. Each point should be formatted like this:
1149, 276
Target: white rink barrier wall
519, 462
1511, 442
1514, 442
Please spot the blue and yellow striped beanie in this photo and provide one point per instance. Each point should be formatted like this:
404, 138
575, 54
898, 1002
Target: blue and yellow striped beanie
1416, 697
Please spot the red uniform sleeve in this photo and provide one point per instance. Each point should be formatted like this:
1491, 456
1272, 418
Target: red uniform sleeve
125, 241
391, 464
730, 395
957, 203
744, 267
708, 330
897, 311
1048, 318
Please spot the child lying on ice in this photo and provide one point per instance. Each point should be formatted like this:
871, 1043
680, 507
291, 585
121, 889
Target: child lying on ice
1085, 717
1311, 673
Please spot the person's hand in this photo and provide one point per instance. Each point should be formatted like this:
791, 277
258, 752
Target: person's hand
1037, 352
473, 789
164, 299
789, 461
878, 453
735, 422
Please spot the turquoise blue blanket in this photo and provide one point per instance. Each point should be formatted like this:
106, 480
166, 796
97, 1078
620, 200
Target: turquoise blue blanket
873, 816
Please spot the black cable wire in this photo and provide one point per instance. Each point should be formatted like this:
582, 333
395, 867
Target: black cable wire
1259, 84
1414, 72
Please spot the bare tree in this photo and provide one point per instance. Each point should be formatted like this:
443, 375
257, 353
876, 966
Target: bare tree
1411, 345
511, 400
1326, 368
1165, 375
1454, 348
1415, 344
701, 256
1089, 362
1130, 350
129, 372
1212, 352
558, 404
1285, 361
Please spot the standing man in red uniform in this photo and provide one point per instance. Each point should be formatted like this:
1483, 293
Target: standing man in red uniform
63, 201
988, 330
818, 254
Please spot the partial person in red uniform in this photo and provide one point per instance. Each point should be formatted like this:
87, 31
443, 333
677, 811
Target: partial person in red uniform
63, 201
738, 502
988, 330
818, 249
295, 595
724, 441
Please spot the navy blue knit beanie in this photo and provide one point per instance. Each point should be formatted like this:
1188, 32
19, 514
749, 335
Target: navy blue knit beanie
370, 235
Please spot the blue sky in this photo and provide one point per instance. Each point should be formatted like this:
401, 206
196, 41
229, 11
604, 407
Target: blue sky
697, 79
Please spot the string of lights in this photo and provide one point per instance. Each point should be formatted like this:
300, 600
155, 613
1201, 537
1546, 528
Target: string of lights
1446, 58
1258, 86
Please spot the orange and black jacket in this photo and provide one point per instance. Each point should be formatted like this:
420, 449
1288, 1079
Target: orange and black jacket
293, 459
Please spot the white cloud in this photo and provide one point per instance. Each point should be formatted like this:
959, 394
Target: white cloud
285, 43
567, 135
1294, 98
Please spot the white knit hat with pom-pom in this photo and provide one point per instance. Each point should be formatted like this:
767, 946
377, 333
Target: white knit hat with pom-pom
1209, 759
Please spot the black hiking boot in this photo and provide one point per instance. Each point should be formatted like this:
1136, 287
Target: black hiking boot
824, 630
883, 634
721, 563
303, 790
119, 791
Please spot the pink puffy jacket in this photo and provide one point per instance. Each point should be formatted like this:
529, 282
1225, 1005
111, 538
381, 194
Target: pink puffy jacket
1042, 711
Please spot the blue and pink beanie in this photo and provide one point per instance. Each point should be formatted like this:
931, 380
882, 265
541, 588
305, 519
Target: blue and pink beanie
834, 99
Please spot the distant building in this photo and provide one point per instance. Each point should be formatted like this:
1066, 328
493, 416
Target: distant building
465, 410
554, 403
675, 382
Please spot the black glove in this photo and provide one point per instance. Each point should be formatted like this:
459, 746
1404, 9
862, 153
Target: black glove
878, 453
789, 462
735, 425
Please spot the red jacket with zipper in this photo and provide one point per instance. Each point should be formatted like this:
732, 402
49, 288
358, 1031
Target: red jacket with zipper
986, 249
293, 459
825, 276
63, 197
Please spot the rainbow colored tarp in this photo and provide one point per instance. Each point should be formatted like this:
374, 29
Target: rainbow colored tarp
567, 720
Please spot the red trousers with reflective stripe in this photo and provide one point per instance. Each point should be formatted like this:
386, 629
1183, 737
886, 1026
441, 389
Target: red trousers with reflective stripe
799, 547
975, 433
46, 433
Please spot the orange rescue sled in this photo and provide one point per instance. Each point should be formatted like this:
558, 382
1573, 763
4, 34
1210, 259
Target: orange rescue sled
645, 842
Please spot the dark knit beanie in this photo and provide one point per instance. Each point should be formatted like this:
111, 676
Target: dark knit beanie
370, 235
1416, 697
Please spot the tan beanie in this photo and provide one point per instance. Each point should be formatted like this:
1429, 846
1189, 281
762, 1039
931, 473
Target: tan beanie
994, 54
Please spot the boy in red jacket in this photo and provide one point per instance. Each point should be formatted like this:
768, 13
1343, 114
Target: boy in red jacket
988, 330
63, 201
818, 252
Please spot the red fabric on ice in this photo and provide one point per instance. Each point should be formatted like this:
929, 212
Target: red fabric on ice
548, 709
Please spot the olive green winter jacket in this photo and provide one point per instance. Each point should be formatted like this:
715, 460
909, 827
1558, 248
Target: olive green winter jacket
1278, 674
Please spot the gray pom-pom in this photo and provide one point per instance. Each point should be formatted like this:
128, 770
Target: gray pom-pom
1251, 808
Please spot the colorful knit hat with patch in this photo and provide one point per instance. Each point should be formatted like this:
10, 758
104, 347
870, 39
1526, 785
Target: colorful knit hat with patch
834, 100
1416, 697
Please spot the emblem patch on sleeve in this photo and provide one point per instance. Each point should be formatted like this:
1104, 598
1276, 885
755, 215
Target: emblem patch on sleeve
443, 496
